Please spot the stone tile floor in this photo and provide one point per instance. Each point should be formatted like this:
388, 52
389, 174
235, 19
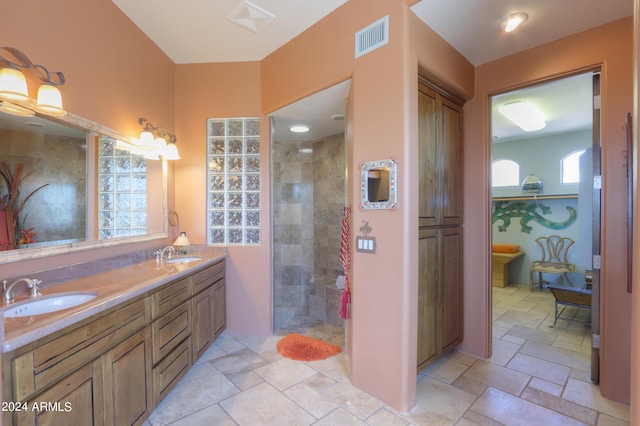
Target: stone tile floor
538, 375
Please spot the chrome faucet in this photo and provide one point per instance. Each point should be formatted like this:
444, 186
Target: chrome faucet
160, 253
32, 283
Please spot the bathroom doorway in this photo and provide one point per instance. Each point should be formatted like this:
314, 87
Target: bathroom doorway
561, 157
308, 199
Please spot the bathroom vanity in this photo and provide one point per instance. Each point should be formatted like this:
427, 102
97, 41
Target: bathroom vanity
112, 360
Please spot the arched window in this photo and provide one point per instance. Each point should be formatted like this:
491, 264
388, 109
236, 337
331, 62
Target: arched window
570, 167
505, 173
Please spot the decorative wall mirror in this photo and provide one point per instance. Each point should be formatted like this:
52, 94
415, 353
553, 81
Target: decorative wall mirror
65, 159
378, 185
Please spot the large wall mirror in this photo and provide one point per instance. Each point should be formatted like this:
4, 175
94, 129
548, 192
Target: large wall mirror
77, 190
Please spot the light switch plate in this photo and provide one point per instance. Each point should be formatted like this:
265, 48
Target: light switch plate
366, 244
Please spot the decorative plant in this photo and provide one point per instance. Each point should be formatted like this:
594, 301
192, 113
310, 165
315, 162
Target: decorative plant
11, 206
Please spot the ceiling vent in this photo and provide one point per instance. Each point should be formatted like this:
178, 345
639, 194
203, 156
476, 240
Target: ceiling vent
372, 37
250, 16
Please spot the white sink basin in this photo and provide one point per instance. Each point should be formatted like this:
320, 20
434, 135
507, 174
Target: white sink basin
47, 304
185, 259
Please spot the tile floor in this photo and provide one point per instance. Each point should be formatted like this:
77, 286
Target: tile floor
537, 375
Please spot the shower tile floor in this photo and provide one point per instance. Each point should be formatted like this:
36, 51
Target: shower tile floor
537, 375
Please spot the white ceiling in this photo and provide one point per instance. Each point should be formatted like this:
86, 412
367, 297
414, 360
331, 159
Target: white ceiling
195, 31
566, 106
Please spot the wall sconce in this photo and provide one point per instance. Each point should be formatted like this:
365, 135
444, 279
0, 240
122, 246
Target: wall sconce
532, 184
14, 92
155, 142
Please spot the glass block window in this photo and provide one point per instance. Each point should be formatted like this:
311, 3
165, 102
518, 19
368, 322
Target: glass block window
122, 192
233, 181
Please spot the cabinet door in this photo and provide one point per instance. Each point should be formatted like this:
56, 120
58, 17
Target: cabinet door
451, 288
220, 307
202, 333
429, 153
427, 296
169, 331
451, 163
127, 370
74, 400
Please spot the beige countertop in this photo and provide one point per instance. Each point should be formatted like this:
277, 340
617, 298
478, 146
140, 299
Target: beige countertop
114, 287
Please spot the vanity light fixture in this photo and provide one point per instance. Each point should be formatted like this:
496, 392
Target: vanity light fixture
513, 21
14, 92
524, 115
155, 142
299, 128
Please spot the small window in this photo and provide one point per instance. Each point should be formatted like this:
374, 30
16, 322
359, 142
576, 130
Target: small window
570, 167
505, 173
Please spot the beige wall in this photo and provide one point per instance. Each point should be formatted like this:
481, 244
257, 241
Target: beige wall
114, 74
609, 47
224, 91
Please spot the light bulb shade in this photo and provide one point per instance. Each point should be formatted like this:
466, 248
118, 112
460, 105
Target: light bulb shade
160, 144
532, 184
146, 140
171, 152
50, 100
13, 85
151, 155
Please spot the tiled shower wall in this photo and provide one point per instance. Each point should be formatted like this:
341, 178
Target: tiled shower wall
308, 200
58, 211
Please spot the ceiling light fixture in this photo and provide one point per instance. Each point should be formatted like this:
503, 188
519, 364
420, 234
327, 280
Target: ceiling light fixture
299, 128
250, 16
14, 92
513, 21
523, 114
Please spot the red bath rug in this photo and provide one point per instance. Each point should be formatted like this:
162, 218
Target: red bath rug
303, 348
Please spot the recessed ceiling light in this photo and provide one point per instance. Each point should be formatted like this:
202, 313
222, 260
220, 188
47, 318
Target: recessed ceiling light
524, 115
513, 21
337, 117
299, 128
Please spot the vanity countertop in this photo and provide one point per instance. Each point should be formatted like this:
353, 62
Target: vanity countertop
113, 288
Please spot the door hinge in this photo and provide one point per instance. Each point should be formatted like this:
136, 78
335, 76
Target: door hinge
596, 261
595, 341
597, 100
597, 182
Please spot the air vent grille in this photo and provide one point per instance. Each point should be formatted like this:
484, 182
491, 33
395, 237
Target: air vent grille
372, 37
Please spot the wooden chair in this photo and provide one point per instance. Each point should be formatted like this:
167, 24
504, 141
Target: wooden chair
554, 258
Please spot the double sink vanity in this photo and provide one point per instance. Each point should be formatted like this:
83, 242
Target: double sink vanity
105, 349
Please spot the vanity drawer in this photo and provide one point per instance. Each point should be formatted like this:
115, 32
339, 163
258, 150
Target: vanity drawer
170, 370
169, 331
51, 361
165, 300
208, 277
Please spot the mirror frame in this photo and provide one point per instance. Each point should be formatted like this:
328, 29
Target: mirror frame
369, 166
92, 129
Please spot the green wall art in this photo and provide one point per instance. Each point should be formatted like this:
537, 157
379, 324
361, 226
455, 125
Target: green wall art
527, 212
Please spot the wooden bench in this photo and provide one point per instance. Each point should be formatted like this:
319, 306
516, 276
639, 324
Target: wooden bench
500, 267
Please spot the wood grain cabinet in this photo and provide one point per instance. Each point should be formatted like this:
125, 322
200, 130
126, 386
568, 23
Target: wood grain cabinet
440, 224
115, 367
209, 307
